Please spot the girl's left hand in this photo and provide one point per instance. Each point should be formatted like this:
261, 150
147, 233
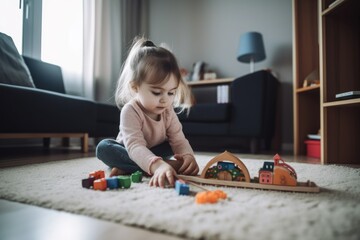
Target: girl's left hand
189, 165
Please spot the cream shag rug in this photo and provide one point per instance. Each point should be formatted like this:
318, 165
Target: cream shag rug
334, 213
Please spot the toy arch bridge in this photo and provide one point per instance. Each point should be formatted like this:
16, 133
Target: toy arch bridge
229, 157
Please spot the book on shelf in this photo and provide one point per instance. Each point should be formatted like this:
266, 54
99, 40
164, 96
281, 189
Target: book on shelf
349, 94
314, 136
222, 93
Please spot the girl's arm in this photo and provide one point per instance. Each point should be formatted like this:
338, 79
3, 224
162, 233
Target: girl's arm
133, 138
181, 146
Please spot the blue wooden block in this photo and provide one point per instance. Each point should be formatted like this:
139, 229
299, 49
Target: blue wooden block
112, 182
182, 188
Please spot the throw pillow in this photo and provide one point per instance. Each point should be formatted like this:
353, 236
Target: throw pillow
13, 69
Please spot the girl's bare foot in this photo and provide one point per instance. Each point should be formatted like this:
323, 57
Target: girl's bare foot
116, 172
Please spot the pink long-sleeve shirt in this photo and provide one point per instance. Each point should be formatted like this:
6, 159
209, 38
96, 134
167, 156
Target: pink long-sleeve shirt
138, 133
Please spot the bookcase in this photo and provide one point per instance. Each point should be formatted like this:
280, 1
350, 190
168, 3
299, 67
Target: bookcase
333, 42
306, 99
340, 72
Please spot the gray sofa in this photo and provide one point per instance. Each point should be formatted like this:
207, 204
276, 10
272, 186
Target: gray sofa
42, 108
246, 123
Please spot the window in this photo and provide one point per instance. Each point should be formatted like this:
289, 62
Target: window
62, 34
11, 21
48, 30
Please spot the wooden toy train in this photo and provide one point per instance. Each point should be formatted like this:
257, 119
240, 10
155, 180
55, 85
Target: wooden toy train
231, 171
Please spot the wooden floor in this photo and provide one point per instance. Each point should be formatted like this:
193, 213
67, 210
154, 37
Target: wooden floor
21, 221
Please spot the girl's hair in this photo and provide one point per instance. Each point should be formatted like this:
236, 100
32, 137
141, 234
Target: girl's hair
154, 65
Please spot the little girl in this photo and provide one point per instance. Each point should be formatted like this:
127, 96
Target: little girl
149, 87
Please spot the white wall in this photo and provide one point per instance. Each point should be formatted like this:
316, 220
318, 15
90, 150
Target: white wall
209, 30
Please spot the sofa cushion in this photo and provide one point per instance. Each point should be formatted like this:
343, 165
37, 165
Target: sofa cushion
32, 110
205, 129
46, 76
207, 112
107, 113
13, 69
107, 121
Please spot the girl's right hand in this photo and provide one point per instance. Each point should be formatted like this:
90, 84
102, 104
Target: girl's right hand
162, 172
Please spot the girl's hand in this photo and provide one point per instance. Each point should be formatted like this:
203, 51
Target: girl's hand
189, 165
162, 172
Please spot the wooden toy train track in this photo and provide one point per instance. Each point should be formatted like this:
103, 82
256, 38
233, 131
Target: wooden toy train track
231, 171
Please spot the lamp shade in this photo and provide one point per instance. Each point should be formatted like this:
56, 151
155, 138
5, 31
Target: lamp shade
251, 48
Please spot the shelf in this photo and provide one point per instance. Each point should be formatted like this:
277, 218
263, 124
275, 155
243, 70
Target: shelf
333, 6
308, 89
211, 82
348, 102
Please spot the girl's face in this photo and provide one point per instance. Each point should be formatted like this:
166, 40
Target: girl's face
155, 99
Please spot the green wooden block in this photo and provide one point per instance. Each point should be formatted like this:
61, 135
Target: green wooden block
136, 177
124, 181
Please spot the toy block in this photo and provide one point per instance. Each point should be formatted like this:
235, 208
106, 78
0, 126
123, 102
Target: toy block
124, 181
210, 196
112, 183
100, 184
97, 174
136, 177
221, 194
182, 188
88, 182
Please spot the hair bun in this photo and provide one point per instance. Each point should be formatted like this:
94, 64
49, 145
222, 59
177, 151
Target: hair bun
148, 43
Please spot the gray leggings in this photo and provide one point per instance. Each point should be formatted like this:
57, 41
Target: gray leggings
114, 154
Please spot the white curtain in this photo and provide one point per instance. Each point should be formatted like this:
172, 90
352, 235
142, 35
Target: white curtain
109, 27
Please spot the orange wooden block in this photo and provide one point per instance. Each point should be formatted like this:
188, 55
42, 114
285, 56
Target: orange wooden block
97, 174
210, 196
220, 194
100, 184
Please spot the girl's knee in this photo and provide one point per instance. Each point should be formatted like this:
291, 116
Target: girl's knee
102, 146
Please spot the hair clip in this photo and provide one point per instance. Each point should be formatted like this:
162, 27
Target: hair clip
148, 43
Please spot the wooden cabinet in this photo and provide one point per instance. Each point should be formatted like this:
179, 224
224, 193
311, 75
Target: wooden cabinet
331, 44
340, 72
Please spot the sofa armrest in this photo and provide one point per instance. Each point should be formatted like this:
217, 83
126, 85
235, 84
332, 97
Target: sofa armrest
253, 98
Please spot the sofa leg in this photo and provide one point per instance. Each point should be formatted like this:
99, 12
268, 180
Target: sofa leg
254, 145
65, 142
46, 142
85, 143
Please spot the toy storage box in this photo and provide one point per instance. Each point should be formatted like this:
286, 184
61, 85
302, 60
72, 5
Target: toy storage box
313, 148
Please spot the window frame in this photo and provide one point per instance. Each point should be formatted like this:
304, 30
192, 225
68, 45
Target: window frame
32, 22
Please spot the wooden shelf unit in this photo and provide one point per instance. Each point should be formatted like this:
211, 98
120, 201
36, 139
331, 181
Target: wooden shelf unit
340, 72
211, 82
306, 100
206, 91
326, 37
